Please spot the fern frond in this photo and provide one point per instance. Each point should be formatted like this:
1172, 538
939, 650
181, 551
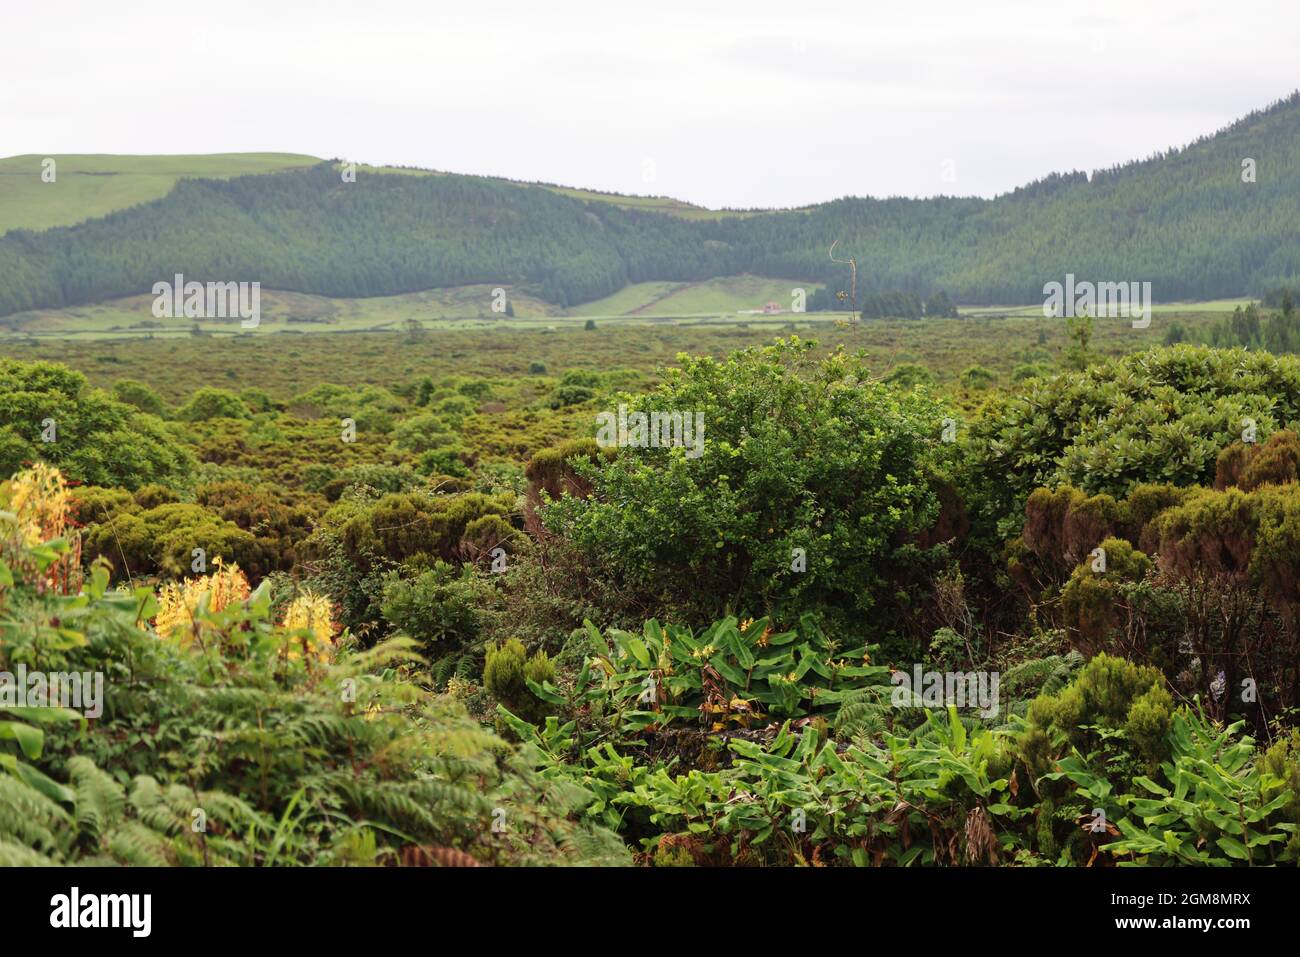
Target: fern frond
136, 845
99, 800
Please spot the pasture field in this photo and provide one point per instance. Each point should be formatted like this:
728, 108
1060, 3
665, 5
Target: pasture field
728, 298
92, 185
732, 300
1209, 306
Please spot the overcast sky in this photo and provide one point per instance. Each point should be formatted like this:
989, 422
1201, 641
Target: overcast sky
725, 104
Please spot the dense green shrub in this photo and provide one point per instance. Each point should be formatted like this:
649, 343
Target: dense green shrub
977, 378
1108, 693
209, 403
909, 375
1092, 601
258, 400
407, 525
507, 672
48, 414
281, 519
567, 395
139, 395
371, 408
1161, 416
809, 481
419, 433
1248, 466
363, 537
441, 607
163, 540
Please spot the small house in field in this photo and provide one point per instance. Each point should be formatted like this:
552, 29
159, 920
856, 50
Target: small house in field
771, 309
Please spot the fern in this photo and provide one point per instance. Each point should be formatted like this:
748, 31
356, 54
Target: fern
99, 799
136, 845
16, 854
31, 819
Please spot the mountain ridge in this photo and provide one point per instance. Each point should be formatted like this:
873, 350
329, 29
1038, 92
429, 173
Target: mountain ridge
1186, 219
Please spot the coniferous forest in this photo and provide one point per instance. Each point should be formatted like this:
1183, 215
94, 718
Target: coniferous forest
1184, 221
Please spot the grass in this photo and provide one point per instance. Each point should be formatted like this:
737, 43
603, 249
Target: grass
651, 204
285, 312
722, 296
88, 186
91, 185
735, 294
627, 300
290, 312
1217, 306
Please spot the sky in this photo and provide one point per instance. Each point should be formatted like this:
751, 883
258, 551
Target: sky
753, 104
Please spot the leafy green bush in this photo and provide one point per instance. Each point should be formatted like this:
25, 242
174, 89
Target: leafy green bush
566, 395
1108, 694
209, 403
978, 378
909, 375
139, 395
809, 489
509, 675
1161, 416
439, 607
48, 414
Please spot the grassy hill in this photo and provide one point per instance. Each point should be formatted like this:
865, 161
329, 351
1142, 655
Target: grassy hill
94, 185
1185, 220
88, 186
718, 295
729, 298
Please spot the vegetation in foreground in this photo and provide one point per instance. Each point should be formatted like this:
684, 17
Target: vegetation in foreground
457, 631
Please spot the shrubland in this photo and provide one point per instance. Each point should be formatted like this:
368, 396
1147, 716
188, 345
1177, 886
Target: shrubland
463, 631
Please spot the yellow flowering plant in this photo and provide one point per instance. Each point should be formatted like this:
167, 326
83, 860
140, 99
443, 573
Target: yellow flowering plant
183, 605
37, 536
308, 627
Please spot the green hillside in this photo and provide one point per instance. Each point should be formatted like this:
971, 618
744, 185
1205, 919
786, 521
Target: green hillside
718, 295
1184, 220
87, 186
729, 298
91, 185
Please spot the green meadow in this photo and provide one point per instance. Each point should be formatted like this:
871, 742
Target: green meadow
91, 185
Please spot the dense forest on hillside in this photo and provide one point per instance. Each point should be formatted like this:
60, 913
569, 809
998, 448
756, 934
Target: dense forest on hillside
1186, 221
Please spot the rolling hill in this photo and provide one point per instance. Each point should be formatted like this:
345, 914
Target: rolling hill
88, 186
1186, 220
